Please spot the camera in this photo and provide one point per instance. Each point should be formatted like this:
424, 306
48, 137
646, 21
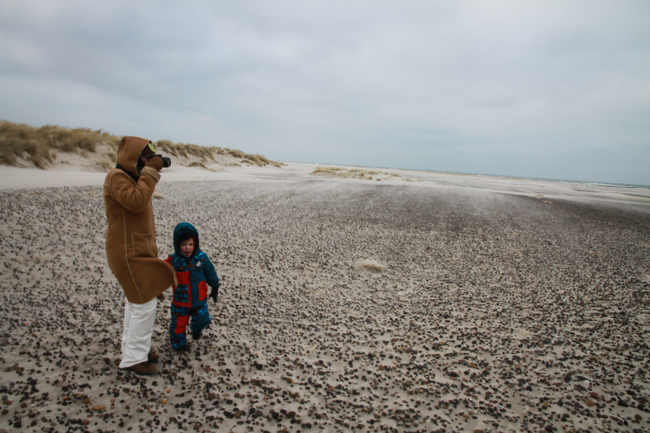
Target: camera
165, 159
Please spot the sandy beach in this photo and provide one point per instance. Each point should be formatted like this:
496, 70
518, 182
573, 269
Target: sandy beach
421, 301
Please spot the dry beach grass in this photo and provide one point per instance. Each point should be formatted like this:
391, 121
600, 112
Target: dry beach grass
347, 305
355, 173
42, 147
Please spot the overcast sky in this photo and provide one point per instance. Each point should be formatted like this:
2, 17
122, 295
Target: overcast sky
549, 89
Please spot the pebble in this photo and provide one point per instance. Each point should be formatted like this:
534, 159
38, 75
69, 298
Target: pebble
480, 313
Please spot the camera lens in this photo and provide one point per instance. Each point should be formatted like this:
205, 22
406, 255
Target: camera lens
166, 161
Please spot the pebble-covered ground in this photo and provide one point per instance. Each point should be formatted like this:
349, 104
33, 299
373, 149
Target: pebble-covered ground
344, 307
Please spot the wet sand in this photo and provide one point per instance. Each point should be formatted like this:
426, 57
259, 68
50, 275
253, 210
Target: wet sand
345, 305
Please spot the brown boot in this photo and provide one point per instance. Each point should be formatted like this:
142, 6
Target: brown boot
143, 369
152, 357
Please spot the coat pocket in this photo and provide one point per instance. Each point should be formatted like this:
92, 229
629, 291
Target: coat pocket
203, 290
181, 295
142, 244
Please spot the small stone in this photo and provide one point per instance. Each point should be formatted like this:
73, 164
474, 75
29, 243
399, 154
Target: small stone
590, 403
85, 422
98, 407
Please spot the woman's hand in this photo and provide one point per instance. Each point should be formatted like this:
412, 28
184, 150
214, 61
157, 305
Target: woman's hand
156, 163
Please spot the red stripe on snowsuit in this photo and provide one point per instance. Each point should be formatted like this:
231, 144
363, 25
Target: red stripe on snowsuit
181, 324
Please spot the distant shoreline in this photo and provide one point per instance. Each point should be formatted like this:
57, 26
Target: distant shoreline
502, 176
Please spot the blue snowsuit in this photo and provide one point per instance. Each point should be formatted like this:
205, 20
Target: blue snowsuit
194, 274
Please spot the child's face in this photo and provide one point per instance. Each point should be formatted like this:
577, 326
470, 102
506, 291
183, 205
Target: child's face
187, 247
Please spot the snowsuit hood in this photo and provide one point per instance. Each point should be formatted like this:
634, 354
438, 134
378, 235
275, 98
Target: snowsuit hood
182, 232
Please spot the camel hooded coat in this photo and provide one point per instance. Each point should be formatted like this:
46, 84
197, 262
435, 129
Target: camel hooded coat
131, 247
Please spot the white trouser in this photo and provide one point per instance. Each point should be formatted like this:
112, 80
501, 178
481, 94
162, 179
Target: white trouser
138, 327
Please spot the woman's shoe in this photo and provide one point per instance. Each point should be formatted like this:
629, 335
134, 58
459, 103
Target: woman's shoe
143, 369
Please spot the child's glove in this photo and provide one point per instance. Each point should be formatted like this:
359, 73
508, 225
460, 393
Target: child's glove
214, 292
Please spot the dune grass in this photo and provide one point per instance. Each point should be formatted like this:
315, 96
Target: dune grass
354, 173
41, 145
105, 164
205, 153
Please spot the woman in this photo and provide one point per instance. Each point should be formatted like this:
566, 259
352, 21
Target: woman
131, 248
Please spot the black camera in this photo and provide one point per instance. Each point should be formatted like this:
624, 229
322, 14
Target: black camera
166, 161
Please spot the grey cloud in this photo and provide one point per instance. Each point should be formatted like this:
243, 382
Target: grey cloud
492, 88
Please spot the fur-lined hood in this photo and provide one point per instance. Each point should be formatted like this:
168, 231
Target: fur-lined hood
129, 152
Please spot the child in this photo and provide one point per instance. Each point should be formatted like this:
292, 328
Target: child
193, 269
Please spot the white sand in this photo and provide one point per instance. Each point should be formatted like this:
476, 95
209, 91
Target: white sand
70, 175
